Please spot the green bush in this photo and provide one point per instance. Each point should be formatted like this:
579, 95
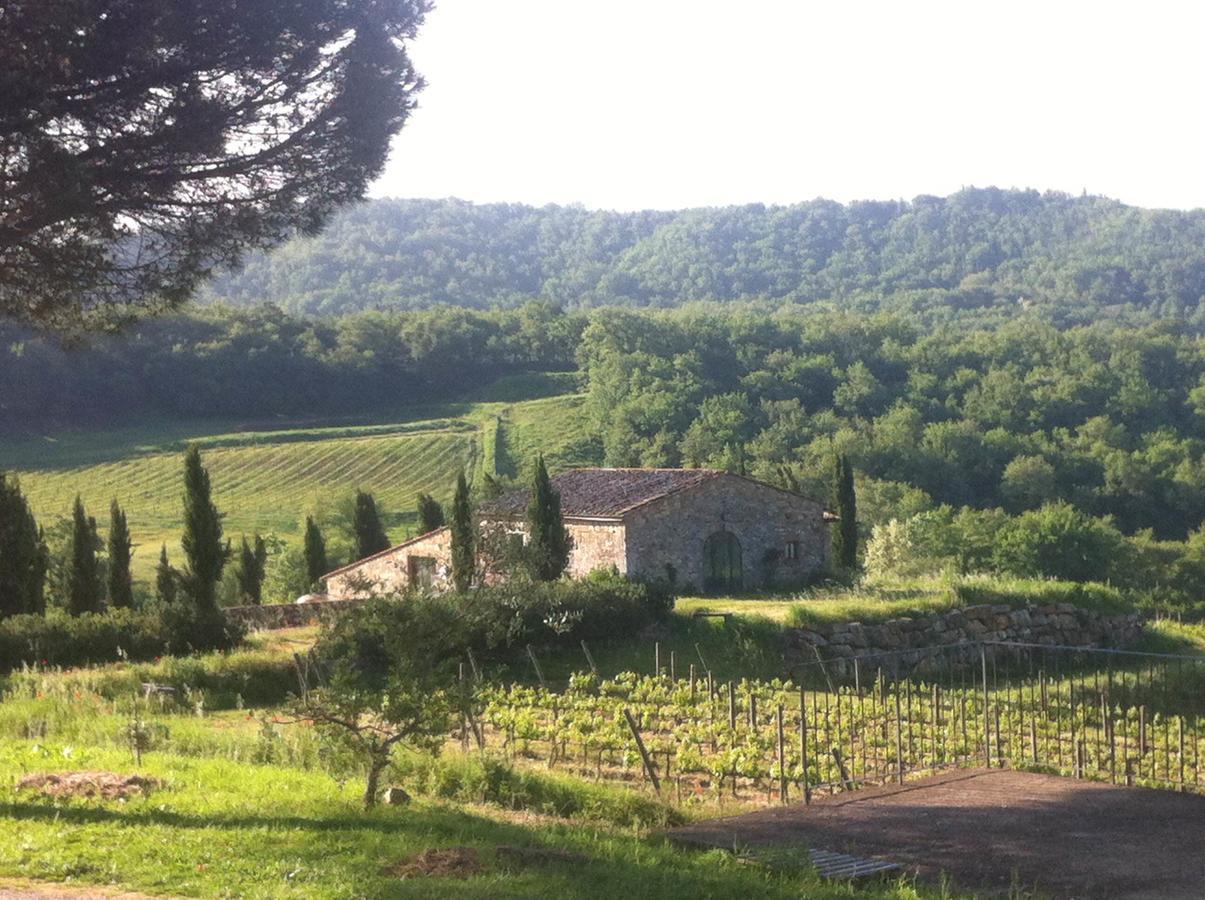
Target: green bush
560, 613
58, 639
497, 621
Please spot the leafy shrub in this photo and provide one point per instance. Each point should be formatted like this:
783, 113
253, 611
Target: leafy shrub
61, 640
58, 639
561, 613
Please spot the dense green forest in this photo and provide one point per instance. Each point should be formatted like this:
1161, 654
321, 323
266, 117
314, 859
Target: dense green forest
988, 254
1110, 419
987, 356
261, 363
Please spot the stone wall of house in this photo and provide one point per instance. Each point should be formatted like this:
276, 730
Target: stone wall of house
907, 641
596, 545
671, 532
288, 615
388, 572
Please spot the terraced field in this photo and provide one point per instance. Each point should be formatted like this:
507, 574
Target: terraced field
264, 479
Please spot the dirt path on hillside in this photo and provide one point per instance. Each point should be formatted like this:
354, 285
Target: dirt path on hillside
989, 828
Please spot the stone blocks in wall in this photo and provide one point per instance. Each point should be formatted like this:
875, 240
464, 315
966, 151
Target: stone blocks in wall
287, 615
1053, 625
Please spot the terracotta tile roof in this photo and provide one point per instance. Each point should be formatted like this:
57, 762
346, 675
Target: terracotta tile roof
604, 493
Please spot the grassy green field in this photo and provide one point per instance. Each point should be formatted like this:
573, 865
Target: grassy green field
250, 807
267, 476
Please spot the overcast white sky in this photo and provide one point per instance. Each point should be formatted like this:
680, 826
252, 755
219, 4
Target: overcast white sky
628, 104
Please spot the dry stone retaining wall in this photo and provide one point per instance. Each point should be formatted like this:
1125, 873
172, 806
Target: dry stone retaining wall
288, 615
1060, 624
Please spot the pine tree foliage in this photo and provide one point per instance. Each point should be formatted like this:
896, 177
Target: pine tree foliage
430, 514
314, 552
167, 579
204, 552
370, 533
23, 557
145, 144
845, 505
548, 542
120, 552
84, 590
464, 537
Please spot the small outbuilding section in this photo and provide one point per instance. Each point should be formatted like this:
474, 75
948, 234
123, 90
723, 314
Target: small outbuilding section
702, 529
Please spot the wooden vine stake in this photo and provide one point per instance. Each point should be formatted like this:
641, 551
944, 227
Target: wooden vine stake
782, 761
590, 659
649, 768
531, 654
803, 745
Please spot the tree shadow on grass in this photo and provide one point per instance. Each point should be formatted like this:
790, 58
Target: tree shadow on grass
435, 822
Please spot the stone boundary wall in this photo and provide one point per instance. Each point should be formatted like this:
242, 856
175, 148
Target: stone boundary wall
288, 615
1056, 624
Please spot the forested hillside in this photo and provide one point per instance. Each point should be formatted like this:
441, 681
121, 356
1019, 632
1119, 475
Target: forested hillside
987, 254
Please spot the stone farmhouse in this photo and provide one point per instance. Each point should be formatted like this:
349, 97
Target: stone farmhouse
702, 529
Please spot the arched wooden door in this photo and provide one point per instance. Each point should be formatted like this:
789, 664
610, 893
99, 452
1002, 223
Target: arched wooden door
722, 567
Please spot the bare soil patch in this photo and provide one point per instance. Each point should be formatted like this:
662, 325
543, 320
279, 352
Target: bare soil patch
24, 889
449, 862
987, 829
93, 785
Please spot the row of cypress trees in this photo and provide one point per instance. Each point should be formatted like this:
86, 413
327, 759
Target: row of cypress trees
25, 559
87, 583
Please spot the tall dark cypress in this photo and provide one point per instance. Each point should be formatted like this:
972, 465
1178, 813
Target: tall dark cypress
370, 533
249, 571
204, 551
23, 556
548, 543
314, 552
83, 578
121, 582
845, 505
464, 537
430, 514
167, 579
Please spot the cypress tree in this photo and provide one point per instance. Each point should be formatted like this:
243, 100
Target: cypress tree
204, 551
23, 556
314, 552
261, 561
83, 577
249, 571
548, 542
845, 505
370, 534
121, 583
464, 558
166, 578
430, 514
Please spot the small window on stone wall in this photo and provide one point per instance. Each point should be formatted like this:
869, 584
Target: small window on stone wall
792, 551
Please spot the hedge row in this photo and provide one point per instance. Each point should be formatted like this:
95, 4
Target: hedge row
58, 639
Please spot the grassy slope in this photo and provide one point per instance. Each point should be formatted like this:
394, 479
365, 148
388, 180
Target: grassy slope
227, 829
246, 815
265, 475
